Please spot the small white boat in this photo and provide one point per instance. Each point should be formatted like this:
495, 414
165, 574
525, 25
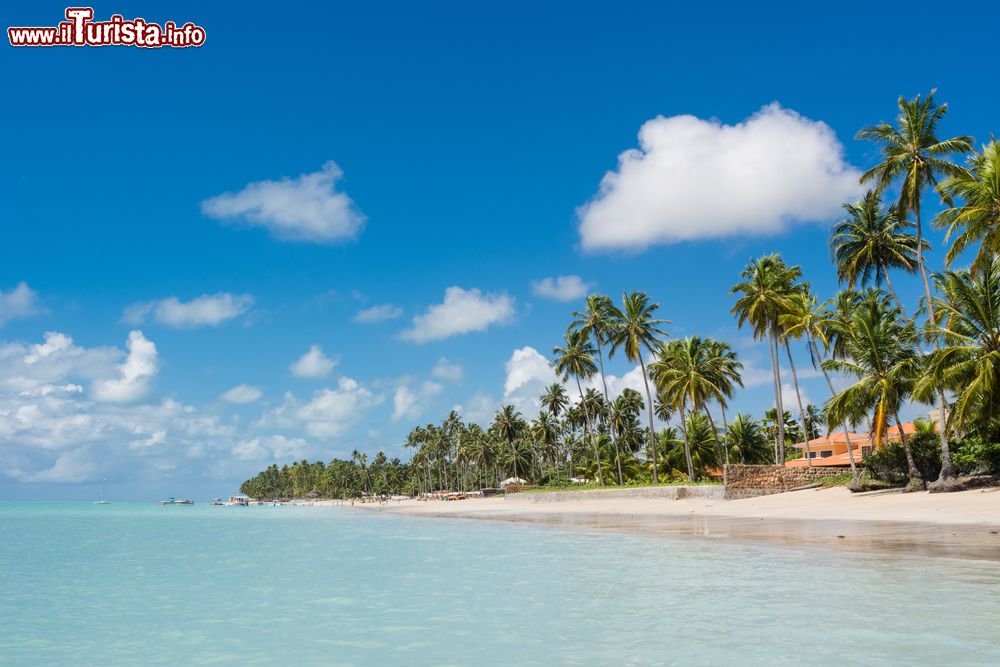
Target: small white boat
100, 499
176, 501
240, 500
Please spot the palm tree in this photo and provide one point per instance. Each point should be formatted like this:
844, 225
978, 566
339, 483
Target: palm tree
913, 154
881, 353
746, 440
508, 426
687, 376
764, 296
635, 331
968, 361
977, 219
554, 399
575, 358
870, 242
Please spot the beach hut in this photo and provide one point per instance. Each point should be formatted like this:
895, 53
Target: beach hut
516, 481
314, 494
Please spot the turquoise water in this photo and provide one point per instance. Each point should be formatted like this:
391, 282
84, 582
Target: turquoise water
141, 584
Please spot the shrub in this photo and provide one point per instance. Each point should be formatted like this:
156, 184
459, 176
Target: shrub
973, 457
889, 463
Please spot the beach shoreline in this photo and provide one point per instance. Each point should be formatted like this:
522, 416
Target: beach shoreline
962, 525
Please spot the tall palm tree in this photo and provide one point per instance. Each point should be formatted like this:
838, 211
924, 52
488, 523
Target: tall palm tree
872, 240
977, 218
508, 426
746, 440
575, 358
554, 399
881, 354
913, 155
687, 375
968, 361
728, 377
764, 296
634, 331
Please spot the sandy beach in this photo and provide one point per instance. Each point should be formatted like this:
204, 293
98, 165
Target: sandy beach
961, 525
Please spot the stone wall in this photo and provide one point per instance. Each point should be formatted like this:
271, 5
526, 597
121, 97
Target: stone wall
743, 481
711, 492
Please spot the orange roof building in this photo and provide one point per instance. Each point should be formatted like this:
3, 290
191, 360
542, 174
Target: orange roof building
831, 450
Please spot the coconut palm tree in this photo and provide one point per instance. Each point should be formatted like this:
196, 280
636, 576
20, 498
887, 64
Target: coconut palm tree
508, 427
913, 155
881, 354
968, 360
575, 358
746, 440
764, 296
635, 331
687, 376
870, 241
977, 218
554, 399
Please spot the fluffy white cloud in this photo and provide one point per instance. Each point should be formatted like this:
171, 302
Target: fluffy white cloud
693, 179
332, 411
312, 364
307, 208
17, 303
380, 313
560, 288
410, 402
40, 368
242, 393
479, 409
206, 310
134, 373
462, 311
447, 370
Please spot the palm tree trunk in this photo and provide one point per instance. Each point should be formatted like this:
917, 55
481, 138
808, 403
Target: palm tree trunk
779, 408
916, 481
649, 413
947, 469
687, 443
725, 431
586, 430
715, 434
847, 438
604, 383
798, 397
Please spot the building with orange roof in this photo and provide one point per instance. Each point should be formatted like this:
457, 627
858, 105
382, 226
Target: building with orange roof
831, 450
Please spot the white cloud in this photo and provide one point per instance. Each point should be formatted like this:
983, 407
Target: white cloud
206, 310
410, 403
306, 208
560, 288
447, 370
18, 303
694, 179
242, 393
332, 411
463, 311
271, 448
134, 373
380, 313
479, 409
312, 364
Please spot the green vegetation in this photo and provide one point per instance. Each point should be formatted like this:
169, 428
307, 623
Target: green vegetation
862, 332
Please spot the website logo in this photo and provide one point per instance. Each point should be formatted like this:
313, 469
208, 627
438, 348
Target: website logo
80, 29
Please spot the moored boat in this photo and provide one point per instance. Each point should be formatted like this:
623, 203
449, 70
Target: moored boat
176, 501
239, 500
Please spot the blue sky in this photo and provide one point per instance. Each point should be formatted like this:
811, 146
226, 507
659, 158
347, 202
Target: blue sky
466, 142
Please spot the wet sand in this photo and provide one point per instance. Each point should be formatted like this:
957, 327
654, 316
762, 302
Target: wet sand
957, 525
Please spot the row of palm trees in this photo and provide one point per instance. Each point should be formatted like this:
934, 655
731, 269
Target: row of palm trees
949, 346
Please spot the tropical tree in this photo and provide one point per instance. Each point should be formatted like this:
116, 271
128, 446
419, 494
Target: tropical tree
575, 358
977, 218
968, 360
746, 441
508, 426
881, 354
636, 331
913, 155
870, 241
764, 296
554, 399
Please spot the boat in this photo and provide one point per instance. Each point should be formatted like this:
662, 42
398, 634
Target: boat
100, 499
217, 502
239, 500
176, 501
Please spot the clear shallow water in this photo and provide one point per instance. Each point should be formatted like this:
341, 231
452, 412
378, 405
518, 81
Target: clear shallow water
120, 584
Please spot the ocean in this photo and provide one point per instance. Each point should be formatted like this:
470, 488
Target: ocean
142, 584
